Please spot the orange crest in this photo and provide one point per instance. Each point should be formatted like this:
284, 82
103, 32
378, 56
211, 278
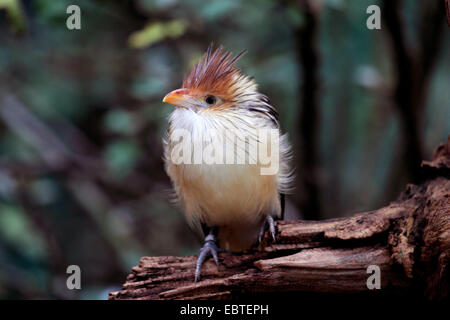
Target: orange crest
214, 73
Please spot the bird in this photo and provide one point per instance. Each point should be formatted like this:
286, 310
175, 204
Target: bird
232, 204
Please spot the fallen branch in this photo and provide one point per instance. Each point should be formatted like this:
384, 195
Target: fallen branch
409, 240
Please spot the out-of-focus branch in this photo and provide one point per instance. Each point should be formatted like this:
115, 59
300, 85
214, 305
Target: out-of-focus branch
57, 159
404, 97
307, 129
447, 10
32, 130
413, 68
430, 40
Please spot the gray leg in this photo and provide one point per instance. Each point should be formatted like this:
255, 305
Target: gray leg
268, 222
209, 248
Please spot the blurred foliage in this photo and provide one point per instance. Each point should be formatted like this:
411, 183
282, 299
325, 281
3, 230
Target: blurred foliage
155, 32
14, 13
81, 123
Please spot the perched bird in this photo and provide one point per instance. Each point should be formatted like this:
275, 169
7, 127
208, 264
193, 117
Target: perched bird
232, 203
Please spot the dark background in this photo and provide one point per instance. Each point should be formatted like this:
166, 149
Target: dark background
81, 119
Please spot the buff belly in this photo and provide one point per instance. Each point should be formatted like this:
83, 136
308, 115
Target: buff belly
235, 198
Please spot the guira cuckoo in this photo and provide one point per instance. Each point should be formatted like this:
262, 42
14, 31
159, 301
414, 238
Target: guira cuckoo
232, 202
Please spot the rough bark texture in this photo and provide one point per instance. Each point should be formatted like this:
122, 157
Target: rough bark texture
409, 240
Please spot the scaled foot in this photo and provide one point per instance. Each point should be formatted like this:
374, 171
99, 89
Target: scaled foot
209, 248
269, 222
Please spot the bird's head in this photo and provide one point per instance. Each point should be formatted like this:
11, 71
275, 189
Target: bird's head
215, 84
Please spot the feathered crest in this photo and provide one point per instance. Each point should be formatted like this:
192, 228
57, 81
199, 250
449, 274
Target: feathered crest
214, 72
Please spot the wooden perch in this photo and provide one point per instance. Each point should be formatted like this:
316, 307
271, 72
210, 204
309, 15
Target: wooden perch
409, 240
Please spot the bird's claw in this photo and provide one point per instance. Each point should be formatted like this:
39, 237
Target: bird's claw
269, 221
209, 248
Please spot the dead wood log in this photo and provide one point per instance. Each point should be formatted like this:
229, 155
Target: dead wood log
409, 240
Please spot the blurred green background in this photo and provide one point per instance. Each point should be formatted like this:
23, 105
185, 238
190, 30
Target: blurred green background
81, 122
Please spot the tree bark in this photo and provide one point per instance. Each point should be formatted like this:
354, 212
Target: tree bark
409, 240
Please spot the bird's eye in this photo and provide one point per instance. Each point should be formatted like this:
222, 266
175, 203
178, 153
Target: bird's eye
210, 100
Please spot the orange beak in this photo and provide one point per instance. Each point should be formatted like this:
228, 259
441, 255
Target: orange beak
178, 97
